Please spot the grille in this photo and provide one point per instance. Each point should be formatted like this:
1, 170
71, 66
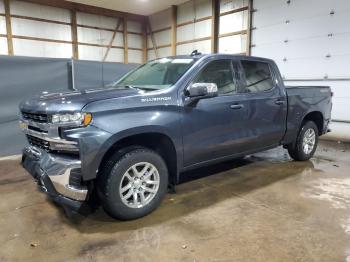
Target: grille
41, 118
37, 129
75, 178
38, 142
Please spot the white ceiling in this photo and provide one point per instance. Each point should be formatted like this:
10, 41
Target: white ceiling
141, 7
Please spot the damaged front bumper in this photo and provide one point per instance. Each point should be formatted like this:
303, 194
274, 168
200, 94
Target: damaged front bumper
57, 175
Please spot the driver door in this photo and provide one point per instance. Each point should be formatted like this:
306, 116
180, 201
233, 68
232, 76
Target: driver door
210, 129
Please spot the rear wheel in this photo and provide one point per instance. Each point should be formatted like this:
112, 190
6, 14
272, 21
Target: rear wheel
134, 184
306, 143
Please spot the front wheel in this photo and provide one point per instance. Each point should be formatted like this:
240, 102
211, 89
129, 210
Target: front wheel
306, 143
133, 184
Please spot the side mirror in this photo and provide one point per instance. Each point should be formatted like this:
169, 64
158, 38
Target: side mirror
198, 91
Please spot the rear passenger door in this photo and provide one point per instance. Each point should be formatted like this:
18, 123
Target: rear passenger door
267, 105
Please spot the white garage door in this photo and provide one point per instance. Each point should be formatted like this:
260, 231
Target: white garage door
310, 41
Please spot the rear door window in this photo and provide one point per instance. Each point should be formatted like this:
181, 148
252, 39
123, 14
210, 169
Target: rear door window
257, 75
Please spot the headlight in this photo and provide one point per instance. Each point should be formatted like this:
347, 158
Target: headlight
79, 118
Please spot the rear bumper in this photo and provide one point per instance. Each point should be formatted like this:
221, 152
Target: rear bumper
52, 174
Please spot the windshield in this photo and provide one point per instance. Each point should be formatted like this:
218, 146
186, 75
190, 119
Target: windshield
157, 74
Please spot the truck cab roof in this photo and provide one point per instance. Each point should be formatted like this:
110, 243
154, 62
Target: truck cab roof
219, 55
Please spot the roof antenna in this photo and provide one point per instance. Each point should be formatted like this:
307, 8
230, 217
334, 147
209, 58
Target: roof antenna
195, 53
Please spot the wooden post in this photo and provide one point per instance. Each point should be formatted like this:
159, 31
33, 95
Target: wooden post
173, 29
8, 27
125, 36
215, 26
144, 41
74, 33
112, 39
249, 29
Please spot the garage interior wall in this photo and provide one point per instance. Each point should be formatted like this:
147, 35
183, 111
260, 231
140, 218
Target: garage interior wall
310, 42
194, 22
45, 31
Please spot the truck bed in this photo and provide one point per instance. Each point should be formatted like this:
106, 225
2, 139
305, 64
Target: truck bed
305, 99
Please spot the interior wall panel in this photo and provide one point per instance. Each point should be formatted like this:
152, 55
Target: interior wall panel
39, 11
2, 8
114, 55
194, 31
191, 10
135, 41
151, 55
233, 44
135, 56
24, 27
228, 5
3, 46
162, 52
2, 25
162, 38
41, 49
233, 22
185, 12
97, 53
97, 20
202, 8
134, 26
160, 20
202, 46
101, 37
166, 51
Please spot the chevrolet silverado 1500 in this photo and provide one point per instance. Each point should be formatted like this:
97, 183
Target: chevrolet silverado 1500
127, 143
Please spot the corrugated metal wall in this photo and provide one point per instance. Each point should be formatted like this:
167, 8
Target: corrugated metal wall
310, 42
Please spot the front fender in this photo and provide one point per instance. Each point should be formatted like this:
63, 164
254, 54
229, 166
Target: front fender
93, 159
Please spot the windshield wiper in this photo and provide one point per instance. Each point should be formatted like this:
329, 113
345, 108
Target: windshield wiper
136, 87
146, 88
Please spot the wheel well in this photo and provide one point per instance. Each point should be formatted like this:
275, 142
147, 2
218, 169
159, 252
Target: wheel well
317, 118
158, 142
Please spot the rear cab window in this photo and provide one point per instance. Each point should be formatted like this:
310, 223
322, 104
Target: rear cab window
258, 76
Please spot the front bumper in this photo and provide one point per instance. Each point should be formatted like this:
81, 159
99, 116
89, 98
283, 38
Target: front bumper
52, 174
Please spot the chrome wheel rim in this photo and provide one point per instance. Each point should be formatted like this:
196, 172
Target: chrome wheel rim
309, 141
139, 185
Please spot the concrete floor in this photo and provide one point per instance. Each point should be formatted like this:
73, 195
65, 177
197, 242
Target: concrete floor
264, 208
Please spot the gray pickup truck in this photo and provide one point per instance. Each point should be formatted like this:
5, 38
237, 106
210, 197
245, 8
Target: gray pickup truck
126, 144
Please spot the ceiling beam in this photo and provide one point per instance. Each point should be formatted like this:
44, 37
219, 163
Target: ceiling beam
86, 9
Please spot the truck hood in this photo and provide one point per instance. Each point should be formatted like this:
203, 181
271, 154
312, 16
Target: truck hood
72, 101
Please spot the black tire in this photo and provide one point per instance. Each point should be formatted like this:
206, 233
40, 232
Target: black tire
296, 151
111, 175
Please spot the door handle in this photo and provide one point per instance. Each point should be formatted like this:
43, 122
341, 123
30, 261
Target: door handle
236, 106
279, 102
